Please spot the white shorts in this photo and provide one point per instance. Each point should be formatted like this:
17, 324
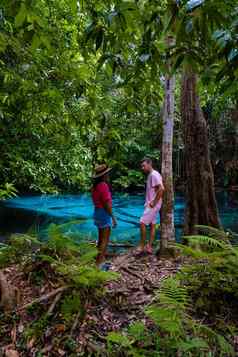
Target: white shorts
150, 215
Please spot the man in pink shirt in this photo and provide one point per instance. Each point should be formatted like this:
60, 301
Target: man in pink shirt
153, 202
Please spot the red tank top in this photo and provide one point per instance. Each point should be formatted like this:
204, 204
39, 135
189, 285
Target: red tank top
101, 194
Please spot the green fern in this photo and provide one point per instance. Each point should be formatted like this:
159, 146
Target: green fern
70, 306
224, 348
195, 287
7, 191
187, 250
119, 339
176, 332
61, 244
213, 232
193, 344
24, 242
173, 294
19, 247
6, 255
207, 241
172, 301
137, 331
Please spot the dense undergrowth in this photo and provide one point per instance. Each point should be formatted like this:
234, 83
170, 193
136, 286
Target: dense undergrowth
63, 273
194, 313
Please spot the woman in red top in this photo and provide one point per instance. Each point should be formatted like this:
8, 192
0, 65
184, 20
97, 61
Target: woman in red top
103, 216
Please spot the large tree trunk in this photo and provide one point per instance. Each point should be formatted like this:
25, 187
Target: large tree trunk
167, 213
201, 206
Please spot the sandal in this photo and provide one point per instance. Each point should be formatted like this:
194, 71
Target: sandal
149, 249
139, 251
105, 266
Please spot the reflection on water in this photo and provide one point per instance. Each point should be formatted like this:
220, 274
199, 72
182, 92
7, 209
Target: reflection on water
22, 213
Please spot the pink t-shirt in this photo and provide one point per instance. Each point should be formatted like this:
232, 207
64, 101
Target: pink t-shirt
154, 179
101, 194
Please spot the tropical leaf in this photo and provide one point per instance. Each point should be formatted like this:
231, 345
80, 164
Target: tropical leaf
193, 4
21, 16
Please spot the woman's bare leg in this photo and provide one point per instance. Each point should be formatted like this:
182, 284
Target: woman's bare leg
103, 239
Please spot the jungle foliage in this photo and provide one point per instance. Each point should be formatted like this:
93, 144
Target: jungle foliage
82, 82
65, 276
194, 312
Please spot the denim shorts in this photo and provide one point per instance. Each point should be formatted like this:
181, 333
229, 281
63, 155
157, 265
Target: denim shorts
101, 218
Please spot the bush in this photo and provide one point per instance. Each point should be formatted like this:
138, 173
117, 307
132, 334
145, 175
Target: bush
174, 331
7, 191
194, 313
212, 279
60, 262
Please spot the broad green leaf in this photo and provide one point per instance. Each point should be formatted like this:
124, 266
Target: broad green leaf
36, 42
21, 16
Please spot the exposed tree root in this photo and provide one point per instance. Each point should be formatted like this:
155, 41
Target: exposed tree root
8, 294
45, 297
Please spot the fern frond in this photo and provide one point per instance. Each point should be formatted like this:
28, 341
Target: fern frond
63, 227
207, 241
23, 239
5, 256
71, 305
224, 347
61, 243
189, 251
213, 232
119, 339
196, 343
172, 293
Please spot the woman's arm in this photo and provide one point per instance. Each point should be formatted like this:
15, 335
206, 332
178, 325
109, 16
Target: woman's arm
108, 208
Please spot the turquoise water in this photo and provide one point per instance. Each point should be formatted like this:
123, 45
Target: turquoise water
21, 214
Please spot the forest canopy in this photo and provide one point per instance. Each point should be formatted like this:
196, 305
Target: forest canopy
83, 82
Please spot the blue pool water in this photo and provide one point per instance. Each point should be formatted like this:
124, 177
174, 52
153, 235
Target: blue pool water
75, 212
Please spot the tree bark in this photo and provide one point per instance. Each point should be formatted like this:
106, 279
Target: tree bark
7, 294
201, 205
167, 212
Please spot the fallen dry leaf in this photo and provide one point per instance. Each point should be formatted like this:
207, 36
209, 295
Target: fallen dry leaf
20, 327
14, 334
60, 328
30, 343
11, 353
61, 352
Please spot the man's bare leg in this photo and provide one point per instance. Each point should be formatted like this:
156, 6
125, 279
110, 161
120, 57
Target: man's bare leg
152, 238
142, 236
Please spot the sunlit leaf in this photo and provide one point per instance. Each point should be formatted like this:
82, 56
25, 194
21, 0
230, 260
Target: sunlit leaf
21, 16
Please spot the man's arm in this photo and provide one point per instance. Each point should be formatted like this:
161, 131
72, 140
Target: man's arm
159, 189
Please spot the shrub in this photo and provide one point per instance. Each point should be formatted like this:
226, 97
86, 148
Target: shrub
194, 312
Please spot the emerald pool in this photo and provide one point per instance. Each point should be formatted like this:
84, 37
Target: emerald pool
74, 213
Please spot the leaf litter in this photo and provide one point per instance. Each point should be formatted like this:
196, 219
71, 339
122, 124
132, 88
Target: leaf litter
123, 302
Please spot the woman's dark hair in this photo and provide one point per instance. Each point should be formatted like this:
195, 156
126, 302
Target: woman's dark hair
97, 180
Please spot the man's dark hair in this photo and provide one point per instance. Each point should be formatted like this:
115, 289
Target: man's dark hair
147, 160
